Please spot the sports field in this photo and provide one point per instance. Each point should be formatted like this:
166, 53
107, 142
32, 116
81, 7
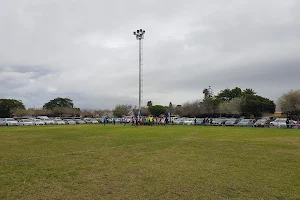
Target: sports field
174, 162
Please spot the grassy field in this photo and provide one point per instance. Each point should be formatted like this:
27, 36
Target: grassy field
174, 162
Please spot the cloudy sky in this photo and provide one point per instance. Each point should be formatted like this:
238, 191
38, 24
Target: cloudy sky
86, 50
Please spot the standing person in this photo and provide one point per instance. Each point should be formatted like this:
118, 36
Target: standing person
132, 121
114, 120
287, 123
104, 121
195, 121
166, 121
136, 121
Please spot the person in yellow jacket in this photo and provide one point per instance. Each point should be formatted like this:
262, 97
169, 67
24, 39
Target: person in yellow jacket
150, 120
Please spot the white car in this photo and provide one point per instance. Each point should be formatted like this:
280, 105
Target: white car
178, 121
69, 121
278, 123
25, 122
94, 121
9, 122
281, 123
38, 122
48, 121
189, 121
59, 122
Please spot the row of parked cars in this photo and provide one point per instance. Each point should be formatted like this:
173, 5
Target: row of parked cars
263, 122
39, 121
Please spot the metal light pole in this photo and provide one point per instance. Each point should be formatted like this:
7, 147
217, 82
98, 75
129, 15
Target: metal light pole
139, 34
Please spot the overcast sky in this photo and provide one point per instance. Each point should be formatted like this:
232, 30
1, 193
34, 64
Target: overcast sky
86, 50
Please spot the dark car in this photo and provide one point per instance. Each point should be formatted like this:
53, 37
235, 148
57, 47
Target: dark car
246, 122
79, 121
232, 121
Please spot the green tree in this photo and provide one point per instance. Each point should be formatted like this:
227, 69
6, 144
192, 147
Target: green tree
257, 105
248, 91
157, 110
290, 103
59, 102
229, 94
232, 107
149, 103
144, 111
8, 106
122, 110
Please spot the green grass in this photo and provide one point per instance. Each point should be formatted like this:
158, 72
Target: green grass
174, 162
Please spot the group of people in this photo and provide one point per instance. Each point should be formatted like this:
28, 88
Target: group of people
141, 121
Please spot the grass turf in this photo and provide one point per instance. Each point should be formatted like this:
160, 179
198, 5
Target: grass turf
174, 162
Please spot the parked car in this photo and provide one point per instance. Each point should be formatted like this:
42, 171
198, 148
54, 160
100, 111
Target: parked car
48, 121
37, 122
69, 121
94, 121
232, 121
189, 121
281, 123
100, 120
199, 121
87, 120
9, 122
79, 121
219, 121
59, 122
264, 122
42, 117
178, 121
246, 122
25, 122
118, 120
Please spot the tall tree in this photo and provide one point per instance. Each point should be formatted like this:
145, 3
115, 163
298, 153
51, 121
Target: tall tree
257, 105
157, 110
248, 91
232, 107
122, 110
229, 94
290, 103
8, 106
59, 102
149, 103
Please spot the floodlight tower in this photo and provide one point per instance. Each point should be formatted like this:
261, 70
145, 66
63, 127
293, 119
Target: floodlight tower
139, 34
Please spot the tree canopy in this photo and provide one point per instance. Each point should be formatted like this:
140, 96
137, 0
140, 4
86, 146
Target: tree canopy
122, 110
8, 106
290, 103
157, 110
59, 102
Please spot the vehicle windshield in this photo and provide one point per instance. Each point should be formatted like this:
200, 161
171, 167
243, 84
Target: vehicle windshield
245, 120
38, 120
219, 120
282, 120
261, 120
26, 120
231, 119
10, 120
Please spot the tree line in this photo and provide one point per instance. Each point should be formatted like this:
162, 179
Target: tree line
228, 103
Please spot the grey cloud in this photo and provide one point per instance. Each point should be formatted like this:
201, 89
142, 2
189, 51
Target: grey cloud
86, 50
